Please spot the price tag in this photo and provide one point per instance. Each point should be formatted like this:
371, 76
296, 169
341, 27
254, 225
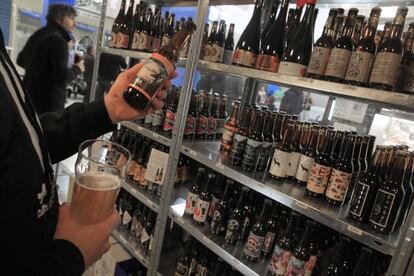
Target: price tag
139, 128
307, 80
206, 240
155, 135
193, 153
220, 166
301, 205
354, 230
400, 96
350, 87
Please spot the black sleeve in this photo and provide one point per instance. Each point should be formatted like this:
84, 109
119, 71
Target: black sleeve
66, 129
73, 72
57, 55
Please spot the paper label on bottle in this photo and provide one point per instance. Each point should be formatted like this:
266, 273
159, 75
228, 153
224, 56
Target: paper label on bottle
338, 185
245, 229
216, 53
253, 246
409, 83
190, 125
181, 175
385, 68
268, 242
292, 69
212, 125
144, 42
212, 206
155, 43
227, 56
151, 77
144, 236
319, 61
135, 40
131, 168
142, 180
245, 58
201, 270
318, 178
359, 67
193, 267
190, 203
114, 39
165, 40
157, 117
202, 125
232, 231
310, 264
206, 52
126, 218
123, 40
228, 135
295, 267
201, 210
217, 225
359, 198
304, 168
267, 63
148, 119
251, 153
382, 208
338, 63
279, 261
280, 163
293, 163
181, 270
169, 120
137, 172
237, 148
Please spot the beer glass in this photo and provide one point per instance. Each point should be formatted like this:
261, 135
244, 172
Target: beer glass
99, 171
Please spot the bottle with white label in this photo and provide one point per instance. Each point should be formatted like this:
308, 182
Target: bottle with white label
362, 58
193, 193
342, 50
204, 201
208, 51
280, 159
254, 143
389, 54
240, 138
307, 157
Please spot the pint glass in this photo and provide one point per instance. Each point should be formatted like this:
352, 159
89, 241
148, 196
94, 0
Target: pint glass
99, 171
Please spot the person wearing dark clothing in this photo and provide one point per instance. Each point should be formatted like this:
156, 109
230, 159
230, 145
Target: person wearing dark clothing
36, 235
109, 68
292, 102
45, 60
87, 75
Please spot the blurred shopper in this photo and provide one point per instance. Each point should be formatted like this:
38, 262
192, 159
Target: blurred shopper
292, 102
307, 104
109, 68
89, 60
45, 58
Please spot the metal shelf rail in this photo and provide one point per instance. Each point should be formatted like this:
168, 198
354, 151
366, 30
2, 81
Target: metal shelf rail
158, 137
144, 196
127, 243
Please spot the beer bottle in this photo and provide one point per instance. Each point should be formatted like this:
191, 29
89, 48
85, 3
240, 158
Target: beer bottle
229, 46
338, 265
322, 48
157, 68
271, 19
135, 219
321, 169
337, 148
194, 192
356, 34
254, 243
364, 265
294, 16
204, 42
403, 70
220, 214
267, 144
283, 248
191, 121
240, 138
363, 158
273, 226
208, 51
363, 56
366, 187
156, 31
217, 48
356, 167
248, 211
133, 162
408, 190
116, 26
222, 117
389, 54
147, 236
371, 144
277, 129
313, 250
339, 22
126, 27
140, 160
235, 217
128, 209
301, 254
184, 261
148, 120
202, 121
143, 182
254, 143
169, 29
202, 266
307, 156
389, 197
141, 223
280, 160
170, 114
195, 258
139, 19
341, 174
204, 201
216, 195
294, 154
144, 43
157, 120
212, 118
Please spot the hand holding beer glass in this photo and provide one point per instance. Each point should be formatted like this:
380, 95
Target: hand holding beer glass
99, 171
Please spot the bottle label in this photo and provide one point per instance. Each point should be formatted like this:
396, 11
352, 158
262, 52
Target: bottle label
291, 68
359, 66
338, 63
144, 236
193, 267
232, 231
135, 40
190, 203
212, 125
228, 135
267, 63
338, 185
264, 154
114, 39
310, 264
148, 119
245, 230
126, 218
293, 163
152, 75
165, 40
137, 172
304, 168
216, 54
280, 163
237, 148
207, 52
251, 153
227, 56
139, 229
144, 42
157, 117
409, 83
319, 60
169, 120
155, 44
181, 175
217, 225
318, 178
382, 208
295, 267
201, 210
151, 241
279, 261
212, 206
268, 242
201, 270
131, 168
123, 41
190, 125
202, 125
359, 198
245, 58
181, 270
385, 68
142, 180
253, 246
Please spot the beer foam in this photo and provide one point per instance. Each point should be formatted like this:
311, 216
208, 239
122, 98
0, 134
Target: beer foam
99, 181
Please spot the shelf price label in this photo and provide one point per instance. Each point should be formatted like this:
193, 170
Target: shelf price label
193, 153
301, 205
354, 230
220, 166
350, 87
139, 128
306, 80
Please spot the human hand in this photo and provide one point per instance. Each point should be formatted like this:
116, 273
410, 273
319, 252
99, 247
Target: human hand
91, 240
81, 65
119, 110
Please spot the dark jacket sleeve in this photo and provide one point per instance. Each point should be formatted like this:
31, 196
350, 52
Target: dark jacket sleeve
66, 129
73, 72
57, 58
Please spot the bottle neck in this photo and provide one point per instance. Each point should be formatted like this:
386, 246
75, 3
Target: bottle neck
397, 171
396, 32
329, 25
349, 27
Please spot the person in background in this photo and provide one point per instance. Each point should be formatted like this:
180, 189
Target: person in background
307, 104
109, 68
71, 50
89, 60
38, 236
292, 102
45, 58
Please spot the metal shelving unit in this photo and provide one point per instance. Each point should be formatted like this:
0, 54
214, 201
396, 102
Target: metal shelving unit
128, 244
398, 245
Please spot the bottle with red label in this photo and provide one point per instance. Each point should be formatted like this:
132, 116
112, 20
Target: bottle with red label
203, 115
191, 120
170, 113
213, 117
126, 28
204, 201
116, 26
230, 128
194, 193
248, 45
